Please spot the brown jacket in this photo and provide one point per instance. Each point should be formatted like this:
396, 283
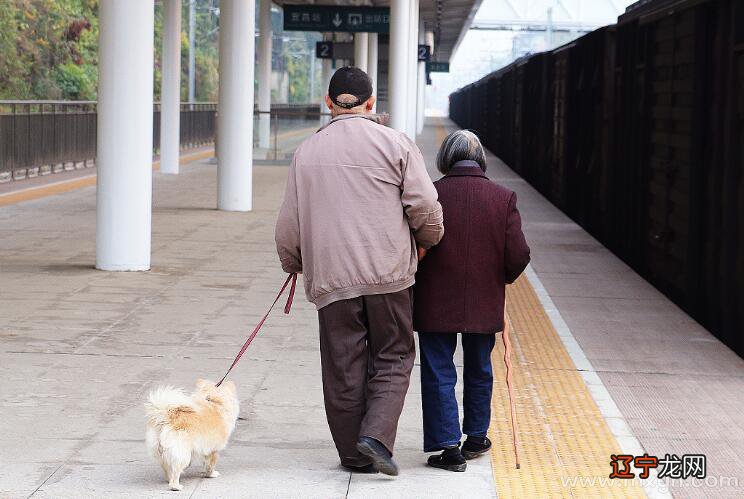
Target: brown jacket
460, 283
357, 201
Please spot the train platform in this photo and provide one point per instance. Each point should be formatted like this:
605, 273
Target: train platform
605, 365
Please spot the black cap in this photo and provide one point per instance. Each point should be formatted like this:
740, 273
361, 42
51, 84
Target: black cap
352, 81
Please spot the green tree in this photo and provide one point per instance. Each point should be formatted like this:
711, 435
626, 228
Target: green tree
49, 50
41, 41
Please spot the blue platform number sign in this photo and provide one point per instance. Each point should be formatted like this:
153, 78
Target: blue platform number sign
336, 18
324, 50
424, 53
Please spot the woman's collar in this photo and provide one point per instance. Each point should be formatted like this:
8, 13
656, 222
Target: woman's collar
466, 168
466, 163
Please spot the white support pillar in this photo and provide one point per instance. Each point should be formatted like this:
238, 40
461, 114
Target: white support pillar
399, 59
264, 75
170, 88
413, 24
124, 150
361, 44
430, 42
421, 83
235, 108
326, 73
372, 63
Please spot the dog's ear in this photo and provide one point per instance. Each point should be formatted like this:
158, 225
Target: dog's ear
201, 383
230, 385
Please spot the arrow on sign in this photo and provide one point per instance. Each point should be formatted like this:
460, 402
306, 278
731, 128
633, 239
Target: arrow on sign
337, 20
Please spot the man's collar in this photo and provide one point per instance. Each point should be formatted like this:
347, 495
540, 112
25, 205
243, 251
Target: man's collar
381, 119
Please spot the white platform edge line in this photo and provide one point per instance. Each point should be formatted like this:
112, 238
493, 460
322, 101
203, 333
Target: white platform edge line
629, 444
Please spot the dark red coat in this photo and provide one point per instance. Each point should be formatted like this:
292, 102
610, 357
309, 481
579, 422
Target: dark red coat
460, 282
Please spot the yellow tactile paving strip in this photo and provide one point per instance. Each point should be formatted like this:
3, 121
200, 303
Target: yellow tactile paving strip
76, 183
565, 444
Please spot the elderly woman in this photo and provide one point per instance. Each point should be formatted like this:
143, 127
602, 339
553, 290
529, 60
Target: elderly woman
460, 289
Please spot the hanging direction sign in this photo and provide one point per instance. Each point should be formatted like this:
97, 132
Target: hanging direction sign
336, 18
437, 67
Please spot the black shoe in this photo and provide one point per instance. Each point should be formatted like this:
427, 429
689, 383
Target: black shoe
367, 468
381, 457
451, 459
475, 446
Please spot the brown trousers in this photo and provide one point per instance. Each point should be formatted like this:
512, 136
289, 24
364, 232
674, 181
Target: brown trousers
367, 352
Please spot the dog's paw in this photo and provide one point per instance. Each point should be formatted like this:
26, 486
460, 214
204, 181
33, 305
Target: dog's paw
176, 486
213, 474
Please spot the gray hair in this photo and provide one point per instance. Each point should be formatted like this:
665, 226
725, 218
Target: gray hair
458, 146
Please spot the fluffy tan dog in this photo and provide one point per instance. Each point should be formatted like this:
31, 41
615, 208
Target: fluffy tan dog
180, 427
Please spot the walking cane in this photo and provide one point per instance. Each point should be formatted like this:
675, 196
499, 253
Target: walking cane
507, 361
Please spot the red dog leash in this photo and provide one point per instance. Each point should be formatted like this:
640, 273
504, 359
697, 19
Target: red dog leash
287, 307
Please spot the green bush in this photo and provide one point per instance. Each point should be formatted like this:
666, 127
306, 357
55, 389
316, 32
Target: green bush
74, 82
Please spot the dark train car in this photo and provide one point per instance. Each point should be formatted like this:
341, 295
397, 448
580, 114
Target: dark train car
534, 129
508, 96
667, 66
562, 110
682, 85
490, 128
455, 106
459, 106
493, 139
636, 131
475, 115
715, 203
627, 198
581, 96
545, 124
721, 306
588, 129
518, 83
672, 152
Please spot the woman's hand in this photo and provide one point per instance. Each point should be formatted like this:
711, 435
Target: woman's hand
421, 253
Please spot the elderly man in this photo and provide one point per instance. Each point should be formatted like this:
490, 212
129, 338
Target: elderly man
358, 202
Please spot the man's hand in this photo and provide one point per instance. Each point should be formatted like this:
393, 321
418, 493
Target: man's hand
421, 253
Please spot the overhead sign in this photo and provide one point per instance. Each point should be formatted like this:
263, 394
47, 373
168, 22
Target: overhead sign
424, 53
334, 50
437, 67
336, 18
324, 50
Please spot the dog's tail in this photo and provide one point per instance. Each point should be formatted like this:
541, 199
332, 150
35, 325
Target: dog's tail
166, 402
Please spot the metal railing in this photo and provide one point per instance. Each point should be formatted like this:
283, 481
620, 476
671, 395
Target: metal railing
289, 126
41, 137
45, 136
198, 124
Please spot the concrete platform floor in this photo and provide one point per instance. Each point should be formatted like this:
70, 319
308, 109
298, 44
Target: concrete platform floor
79, 349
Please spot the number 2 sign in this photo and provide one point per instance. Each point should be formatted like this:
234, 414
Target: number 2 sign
324, 50
424, 53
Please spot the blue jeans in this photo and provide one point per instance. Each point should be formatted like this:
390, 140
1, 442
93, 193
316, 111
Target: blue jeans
438, 379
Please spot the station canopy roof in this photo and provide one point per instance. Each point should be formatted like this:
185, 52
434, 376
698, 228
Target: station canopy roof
448, 19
